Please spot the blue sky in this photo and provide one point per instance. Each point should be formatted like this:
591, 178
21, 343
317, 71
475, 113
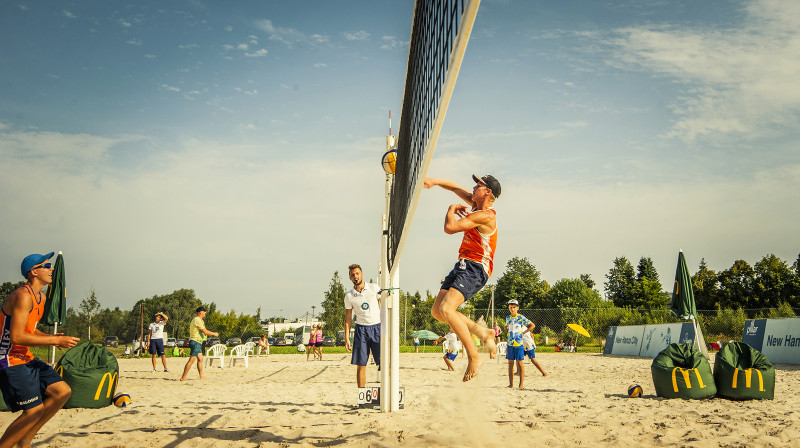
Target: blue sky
234, 148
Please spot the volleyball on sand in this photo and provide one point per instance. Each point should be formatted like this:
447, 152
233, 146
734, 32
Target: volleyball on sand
121, 400
635, 391
389, 161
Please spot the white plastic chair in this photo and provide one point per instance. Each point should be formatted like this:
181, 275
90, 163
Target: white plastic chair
216, 351
251, 348
501, 348
239, 352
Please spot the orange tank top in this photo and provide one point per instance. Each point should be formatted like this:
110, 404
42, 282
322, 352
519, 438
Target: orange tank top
12, 354
478, 247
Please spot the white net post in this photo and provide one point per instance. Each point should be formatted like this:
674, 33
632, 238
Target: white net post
390, 317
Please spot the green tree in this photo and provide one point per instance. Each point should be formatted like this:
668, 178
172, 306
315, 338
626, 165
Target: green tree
333, 305
648, 292
646, 270
706, 287
736, 285
523, 282
773, 281
573, 293
620, 283
89, 308
587, 280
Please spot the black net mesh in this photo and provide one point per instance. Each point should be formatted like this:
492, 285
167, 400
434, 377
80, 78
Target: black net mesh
436, 24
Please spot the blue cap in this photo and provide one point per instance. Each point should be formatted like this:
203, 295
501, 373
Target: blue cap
32, 260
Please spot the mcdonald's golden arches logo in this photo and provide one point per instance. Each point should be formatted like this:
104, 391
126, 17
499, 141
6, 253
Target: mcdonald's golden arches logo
748, 377
687, 378
112, 385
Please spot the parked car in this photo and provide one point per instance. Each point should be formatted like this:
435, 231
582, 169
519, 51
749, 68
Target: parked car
271, 341
254, 340
110, 341
328, 341
171, 342
211, 341
233, 342
279, 342
340, 337
185, 342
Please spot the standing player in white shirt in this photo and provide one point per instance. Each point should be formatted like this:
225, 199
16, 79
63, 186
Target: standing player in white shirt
363, 301
156, 344
451, 343
530, 351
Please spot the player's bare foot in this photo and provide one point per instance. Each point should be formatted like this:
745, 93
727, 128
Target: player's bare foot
472, 368
544, 373
183, 379
203, 377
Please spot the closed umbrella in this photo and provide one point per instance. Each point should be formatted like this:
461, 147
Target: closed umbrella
55, 307
683, 304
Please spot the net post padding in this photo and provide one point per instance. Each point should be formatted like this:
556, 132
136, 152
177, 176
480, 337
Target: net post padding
439, 38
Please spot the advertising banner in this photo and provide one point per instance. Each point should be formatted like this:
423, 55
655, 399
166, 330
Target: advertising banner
647, 340
625, 341
777, 339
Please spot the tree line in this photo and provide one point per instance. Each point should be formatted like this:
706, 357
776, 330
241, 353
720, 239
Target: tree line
769, 283
89, 321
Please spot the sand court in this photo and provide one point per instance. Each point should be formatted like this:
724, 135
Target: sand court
283, 400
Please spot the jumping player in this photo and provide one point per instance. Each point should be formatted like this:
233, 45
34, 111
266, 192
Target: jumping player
475, 262
29, 384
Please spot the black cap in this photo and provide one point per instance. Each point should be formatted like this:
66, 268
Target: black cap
490, 182
200, 308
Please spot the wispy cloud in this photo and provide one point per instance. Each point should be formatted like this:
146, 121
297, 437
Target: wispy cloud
358, 35
740, 82
288, 36
68, 14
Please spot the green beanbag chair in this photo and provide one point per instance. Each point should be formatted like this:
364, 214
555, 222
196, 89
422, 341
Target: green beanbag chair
743, 373
91, 372
681, 371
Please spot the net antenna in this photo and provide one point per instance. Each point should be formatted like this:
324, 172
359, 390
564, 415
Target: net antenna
439, 35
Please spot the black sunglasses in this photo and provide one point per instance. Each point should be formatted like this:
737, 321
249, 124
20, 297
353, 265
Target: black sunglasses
46, 266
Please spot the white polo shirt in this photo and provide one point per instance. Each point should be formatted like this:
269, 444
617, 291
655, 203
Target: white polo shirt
365, 305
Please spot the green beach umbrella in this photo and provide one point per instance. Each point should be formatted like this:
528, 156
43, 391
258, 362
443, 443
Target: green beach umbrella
55, 307
425, 335
683, 304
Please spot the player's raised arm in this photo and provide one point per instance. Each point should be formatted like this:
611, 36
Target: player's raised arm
457, 220
465, 195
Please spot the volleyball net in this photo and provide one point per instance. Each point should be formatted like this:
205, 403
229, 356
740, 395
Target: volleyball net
439, 37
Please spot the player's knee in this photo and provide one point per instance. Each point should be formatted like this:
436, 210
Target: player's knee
436, 313
35, 412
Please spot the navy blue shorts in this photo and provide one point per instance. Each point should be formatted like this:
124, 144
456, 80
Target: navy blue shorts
367, 339
467, 276
531, 353
156, 347
515, 353
451, 355
24, 385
